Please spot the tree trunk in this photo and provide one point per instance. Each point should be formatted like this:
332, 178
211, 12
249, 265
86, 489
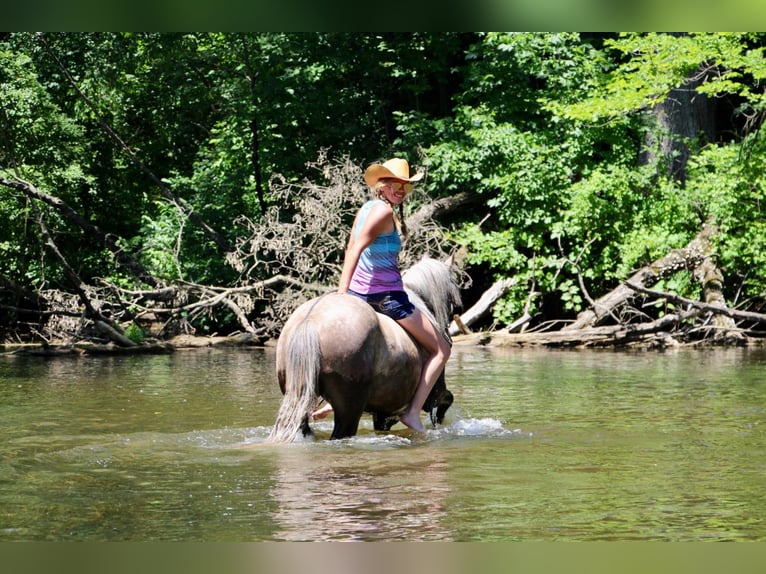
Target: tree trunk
657, 331
711, 279
483, 305
684, 116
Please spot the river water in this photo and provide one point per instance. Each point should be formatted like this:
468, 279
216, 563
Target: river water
540, 445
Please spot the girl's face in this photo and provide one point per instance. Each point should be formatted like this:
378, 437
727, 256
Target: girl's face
394, 191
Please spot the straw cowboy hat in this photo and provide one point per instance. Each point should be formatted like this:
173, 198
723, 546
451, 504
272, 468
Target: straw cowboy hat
395, 168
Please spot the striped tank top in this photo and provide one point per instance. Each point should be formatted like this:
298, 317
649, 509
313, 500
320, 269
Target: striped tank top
378, 267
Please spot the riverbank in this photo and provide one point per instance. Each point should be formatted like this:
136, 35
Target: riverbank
178, 342
609, 338
553, 340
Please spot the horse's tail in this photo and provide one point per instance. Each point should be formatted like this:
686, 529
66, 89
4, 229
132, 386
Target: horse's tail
301, 375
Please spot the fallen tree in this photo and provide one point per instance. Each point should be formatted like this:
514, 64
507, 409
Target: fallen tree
709, 321
687, 258
482, 307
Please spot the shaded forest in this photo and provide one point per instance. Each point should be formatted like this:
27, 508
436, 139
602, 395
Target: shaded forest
598, 189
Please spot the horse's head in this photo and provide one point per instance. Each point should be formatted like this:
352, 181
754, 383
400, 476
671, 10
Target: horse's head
432, 288
439, 400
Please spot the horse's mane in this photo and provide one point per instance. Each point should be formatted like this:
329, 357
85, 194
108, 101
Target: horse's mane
432, 289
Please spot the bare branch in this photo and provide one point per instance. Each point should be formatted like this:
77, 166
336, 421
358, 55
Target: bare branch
92, 230
484, 304
686, 258
715, 309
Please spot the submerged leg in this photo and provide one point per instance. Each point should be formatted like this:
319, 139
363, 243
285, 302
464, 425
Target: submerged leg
381, 422
439, 400
445, 402
305, 428
348, 398
346, 425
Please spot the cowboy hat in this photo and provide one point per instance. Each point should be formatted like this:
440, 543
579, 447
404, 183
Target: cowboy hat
395, 168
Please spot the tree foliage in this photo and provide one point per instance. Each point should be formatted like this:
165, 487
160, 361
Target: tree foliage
162, 155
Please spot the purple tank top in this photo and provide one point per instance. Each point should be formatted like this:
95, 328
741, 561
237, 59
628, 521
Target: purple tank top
378, 267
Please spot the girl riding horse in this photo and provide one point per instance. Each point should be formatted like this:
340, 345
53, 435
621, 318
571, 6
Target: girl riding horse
371, 272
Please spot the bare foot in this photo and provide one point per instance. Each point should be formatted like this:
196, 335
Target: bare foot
412, 422
322, 412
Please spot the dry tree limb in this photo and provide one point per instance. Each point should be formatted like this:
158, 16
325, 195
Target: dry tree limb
520, 324
687, 258
462, 328
711, 308
120, 255
104, 325
658, 331
439, 207
302, 238
111, 333
484, 304
711, 279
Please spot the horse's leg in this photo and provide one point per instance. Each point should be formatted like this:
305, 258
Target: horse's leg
381, 422
348, 399
445, 402
439, 387
345, 426
305, 428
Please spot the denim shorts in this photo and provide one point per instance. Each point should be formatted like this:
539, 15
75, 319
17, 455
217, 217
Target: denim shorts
395, 304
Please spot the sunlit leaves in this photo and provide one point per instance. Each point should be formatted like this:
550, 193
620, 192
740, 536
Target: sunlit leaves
655, 63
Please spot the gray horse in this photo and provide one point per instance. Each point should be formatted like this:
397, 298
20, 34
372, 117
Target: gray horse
338, 348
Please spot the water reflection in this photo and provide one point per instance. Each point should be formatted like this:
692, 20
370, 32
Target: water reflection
396, 486
360, 489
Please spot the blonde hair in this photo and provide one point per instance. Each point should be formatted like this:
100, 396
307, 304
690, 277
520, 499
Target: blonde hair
401, 226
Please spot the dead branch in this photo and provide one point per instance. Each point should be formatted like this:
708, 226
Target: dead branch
103, 324
484, 304
711, 279
113, 334
437, 208
121, 256
710, 308
658, 331
521, 323
687, 258
296, 249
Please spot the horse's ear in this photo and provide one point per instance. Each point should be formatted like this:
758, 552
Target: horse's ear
450, 261
456, 258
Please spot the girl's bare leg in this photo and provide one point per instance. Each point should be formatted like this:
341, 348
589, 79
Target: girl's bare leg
434, 342
321, 412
